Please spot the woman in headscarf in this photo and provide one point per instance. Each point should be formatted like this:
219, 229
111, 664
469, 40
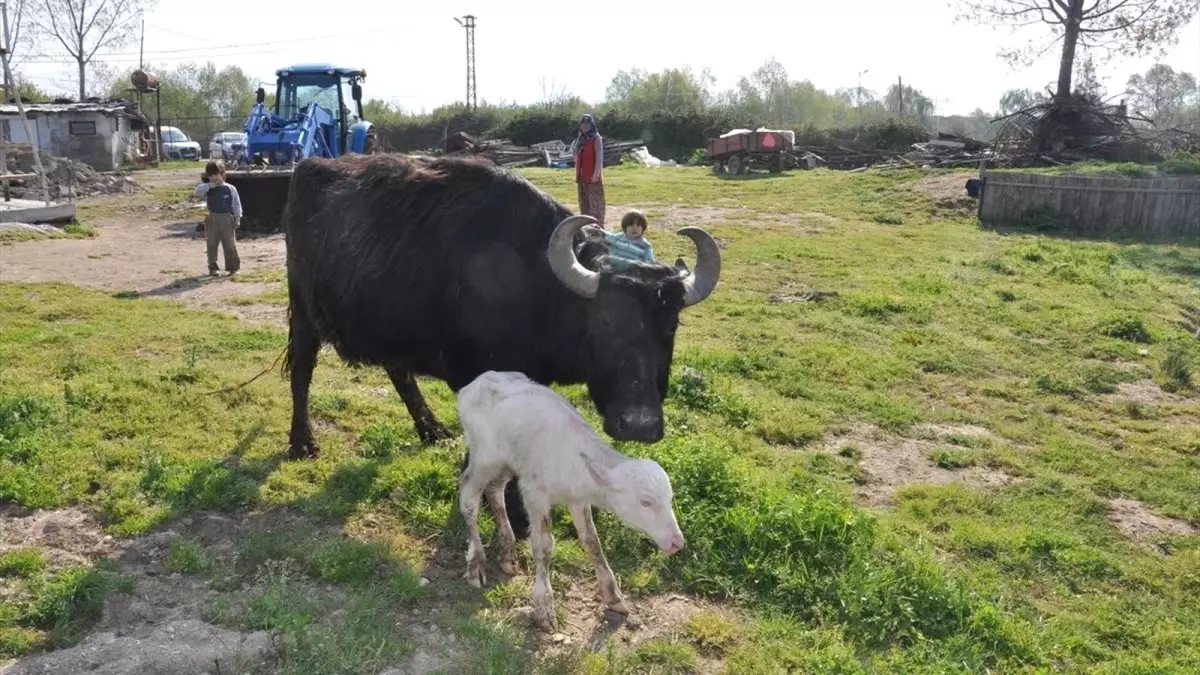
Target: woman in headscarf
588, 150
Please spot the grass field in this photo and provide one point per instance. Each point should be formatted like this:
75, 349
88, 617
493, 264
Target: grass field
981, 455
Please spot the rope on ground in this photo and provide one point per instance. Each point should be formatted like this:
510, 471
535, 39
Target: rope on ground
239, 386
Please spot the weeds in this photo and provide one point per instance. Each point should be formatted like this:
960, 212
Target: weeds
1176, 368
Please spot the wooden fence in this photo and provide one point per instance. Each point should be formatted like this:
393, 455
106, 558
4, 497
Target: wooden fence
1166, 208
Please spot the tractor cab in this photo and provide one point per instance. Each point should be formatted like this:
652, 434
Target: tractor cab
317, 112
335, 90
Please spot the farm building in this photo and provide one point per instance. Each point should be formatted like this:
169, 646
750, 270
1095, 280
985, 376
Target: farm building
102, 135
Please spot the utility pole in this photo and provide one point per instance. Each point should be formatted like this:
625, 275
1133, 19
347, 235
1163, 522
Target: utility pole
858, 92
468, 22
900, 95
7, 45
142, 48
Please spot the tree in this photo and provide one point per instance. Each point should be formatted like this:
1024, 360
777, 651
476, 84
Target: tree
1014, 100
673, 89
84, 28
1107, 27
913, 103
22, 40
1161, 94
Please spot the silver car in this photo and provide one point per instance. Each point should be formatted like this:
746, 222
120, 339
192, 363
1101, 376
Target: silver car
226, 145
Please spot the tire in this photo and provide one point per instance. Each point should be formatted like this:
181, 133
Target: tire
371, 145
737, 165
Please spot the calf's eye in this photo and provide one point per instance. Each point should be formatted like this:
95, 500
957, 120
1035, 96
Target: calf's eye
646, 503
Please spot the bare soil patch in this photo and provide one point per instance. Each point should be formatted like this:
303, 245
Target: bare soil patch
948, 191
68, 536
1138, 522
1143, 391
891, 462
151, 248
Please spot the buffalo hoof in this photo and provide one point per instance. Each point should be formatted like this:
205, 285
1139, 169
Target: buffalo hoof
307, 450
432, 433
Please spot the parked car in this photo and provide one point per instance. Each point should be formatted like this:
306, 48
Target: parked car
176, 145
226, 144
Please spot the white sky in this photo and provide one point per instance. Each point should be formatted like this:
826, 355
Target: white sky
414, 53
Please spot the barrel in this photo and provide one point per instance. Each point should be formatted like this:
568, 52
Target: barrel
143, 81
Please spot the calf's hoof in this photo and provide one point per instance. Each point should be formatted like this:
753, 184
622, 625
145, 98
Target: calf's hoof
475, 574
619, 607
544, 619
509, 566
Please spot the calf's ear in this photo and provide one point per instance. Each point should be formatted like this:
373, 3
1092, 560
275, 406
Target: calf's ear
598, 472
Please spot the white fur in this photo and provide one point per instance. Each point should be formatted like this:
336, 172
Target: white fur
516, 427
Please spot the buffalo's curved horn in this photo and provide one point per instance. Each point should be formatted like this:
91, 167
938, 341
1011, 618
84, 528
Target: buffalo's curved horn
566, 266
701, 282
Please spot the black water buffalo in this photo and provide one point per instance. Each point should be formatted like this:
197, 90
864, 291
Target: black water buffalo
449, 267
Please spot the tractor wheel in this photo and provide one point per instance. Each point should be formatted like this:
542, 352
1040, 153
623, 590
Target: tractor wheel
371, 146
737, 166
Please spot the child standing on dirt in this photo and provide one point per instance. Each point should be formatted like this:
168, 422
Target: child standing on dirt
224, 218
631, 244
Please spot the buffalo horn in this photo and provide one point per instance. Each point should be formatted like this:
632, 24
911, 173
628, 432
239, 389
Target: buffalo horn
701, 283
566, 266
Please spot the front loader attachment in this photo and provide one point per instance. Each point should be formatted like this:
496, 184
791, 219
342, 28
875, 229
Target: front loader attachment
264, 193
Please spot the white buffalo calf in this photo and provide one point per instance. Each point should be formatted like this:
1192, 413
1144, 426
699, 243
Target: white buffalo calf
516, 427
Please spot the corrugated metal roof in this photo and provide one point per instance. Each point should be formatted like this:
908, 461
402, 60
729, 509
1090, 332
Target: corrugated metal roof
105, 107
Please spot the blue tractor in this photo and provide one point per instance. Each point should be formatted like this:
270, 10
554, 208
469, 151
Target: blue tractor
317, 113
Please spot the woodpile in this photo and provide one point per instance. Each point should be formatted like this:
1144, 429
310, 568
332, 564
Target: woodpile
504, 152
947, 150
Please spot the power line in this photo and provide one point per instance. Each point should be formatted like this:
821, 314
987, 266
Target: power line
201, 50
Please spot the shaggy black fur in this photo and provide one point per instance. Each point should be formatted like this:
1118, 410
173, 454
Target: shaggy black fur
437, 267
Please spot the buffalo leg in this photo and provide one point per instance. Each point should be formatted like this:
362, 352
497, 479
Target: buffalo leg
303, 346
429, 429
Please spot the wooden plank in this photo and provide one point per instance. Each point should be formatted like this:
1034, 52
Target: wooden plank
16, 176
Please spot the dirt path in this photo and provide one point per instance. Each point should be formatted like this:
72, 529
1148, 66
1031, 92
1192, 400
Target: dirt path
148, 243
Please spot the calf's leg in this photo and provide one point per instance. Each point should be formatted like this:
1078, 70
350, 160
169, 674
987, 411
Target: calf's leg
303, 345
542, 543
471, 486
508, 540
428, 427
590, 540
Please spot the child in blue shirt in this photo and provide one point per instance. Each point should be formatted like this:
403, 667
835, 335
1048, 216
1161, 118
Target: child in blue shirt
631, 244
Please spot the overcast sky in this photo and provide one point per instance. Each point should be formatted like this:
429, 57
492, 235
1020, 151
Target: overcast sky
414, 53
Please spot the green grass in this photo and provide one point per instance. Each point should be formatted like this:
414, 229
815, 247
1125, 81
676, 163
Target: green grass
108, 402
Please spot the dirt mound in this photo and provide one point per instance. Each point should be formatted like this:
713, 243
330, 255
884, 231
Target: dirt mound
66, 178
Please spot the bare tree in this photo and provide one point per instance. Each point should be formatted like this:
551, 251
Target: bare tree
1109, 27
20, 40
1162, 93
85, 28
